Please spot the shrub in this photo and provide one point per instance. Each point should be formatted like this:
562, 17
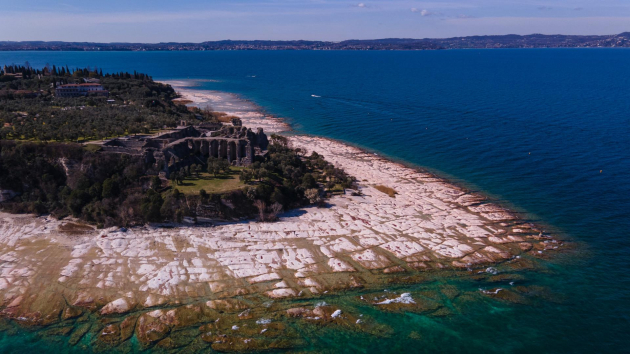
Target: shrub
387, 190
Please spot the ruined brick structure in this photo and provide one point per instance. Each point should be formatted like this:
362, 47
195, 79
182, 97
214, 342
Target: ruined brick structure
184, 146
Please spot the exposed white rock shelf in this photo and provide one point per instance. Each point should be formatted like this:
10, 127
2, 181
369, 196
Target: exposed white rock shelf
428, 224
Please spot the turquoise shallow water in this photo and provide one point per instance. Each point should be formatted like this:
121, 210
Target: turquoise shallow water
531, 128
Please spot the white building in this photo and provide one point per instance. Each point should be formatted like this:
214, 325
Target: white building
77, 90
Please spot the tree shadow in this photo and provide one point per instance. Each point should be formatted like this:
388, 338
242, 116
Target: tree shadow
293, 213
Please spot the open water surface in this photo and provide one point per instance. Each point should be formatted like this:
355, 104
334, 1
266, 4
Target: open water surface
544, 131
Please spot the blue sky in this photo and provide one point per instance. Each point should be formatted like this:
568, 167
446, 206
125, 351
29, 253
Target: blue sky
197, 20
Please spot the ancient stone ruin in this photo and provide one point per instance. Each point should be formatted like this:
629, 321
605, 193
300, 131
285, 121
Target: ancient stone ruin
188, 145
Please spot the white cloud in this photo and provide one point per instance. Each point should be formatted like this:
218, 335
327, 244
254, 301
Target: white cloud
424, 12
361, 5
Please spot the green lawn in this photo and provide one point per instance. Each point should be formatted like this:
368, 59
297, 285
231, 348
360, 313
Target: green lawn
221, 183
92, 147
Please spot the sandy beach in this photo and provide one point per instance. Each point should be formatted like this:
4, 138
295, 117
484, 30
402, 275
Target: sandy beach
51, 270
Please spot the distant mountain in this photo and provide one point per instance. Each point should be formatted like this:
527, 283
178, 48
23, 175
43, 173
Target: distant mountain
470, 42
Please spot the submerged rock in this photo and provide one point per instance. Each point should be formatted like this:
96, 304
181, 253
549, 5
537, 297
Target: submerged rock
150, 329
505, 295
110, 334
71, 312
78, 333
127, 327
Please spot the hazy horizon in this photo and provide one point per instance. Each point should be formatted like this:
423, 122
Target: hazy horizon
300, 39
324, 20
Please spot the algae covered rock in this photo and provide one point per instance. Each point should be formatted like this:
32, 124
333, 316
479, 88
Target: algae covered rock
150, 329
227, 305
127, 326
78, 333
71, 312
110, 334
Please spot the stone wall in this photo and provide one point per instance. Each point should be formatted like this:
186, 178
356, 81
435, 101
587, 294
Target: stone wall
238, 145
184, 146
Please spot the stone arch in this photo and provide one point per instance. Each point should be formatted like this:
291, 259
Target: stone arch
214, 148
231, 156
205, 147
223, 149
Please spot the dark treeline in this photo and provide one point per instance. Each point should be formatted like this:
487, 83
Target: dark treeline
121, 190
29, 109
28, 72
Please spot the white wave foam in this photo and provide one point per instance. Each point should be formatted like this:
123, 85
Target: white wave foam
402, 299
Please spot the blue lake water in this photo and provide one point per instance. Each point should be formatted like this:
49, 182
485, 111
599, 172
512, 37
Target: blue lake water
544, 131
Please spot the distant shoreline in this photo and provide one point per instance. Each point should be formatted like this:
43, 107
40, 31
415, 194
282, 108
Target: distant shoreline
621, 40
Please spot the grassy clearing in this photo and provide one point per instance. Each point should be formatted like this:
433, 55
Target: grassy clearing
222, 183
389, 191
92, 147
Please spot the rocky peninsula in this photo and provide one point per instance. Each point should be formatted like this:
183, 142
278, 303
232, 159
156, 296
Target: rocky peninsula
240, 286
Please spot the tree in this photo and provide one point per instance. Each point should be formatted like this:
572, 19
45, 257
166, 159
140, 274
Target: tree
260, 174
251, 193
245, 176
203, 194
156, 183
217, 165
279, 140
224, 165
77, 200
111, 188
151, 205
275, 209
308, 181
277, 196
313, 196
179, 215
261, 205
300, 152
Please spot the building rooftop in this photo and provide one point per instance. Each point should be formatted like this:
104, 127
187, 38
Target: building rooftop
82, 85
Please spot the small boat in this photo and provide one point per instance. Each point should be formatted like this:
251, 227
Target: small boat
315, 96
